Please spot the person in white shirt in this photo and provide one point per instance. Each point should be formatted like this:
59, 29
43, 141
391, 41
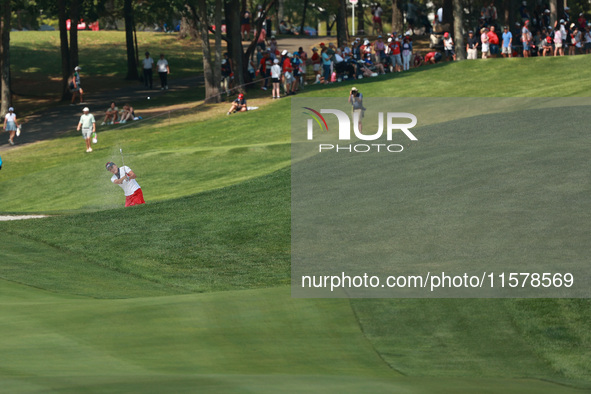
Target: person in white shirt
125, 178
163, 71
10, 124
276, 78
148, 63
88, 126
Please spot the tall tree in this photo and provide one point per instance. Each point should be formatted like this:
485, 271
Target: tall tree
360, 19
5, 55
64, 49
235, 43
212, 86
74, 19
132, 73
458, 30
303, 24
397, 16
342, 31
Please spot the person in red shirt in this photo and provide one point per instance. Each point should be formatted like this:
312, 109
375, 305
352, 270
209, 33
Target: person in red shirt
316, 63
287, 71
433, 57
395, 56
493, 41
265, 69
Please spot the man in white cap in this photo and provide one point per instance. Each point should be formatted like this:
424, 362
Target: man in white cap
88, 126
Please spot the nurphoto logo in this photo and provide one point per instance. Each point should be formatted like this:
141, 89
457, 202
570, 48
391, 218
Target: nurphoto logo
393, 122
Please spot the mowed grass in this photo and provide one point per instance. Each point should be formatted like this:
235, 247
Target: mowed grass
237, 237
236, 341
36, 62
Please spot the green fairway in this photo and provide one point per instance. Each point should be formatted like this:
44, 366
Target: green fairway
189, 293
233, 341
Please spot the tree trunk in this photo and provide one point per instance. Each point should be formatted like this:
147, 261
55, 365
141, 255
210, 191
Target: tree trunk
342, 31
215, 95
448, 13
258, 26
397, 16
64, 50
360, 19
459, 30
233, 33
132, 73
280, 12
74, 17
5, 56
303, 24
212, 86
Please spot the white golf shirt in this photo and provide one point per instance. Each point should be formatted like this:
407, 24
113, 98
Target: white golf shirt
129, 187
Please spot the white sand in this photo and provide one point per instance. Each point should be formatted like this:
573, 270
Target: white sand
20, 217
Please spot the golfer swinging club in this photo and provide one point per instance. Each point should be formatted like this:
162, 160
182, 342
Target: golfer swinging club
125, 178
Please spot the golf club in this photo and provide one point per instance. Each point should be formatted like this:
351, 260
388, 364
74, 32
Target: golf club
123, 163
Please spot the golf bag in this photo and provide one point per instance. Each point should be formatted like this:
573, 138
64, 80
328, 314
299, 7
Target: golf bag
0, 163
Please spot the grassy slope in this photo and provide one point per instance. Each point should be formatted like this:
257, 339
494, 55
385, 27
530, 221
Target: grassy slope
549, 336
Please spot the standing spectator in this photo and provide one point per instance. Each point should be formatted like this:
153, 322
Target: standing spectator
287, 70
296, 62
587, 40
377, 12
273, 46
304, 66
379, 49
484, 41
262, 39
245, 26
493, 42
88, 126
582, 22
75, 87
316, 63
10, 125
546, 19
578, 40
326, 64
276, 78
264, 69
448, 46
472, 46
148, 63
507, 42
406, 53
395, 54
163, 71
526, 39
226, 76
558, 48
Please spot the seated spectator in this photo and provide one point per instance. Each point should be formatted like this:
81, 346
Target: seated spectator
284, 29
547, 46
433, 57
127, 113
111, 114
238, 105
